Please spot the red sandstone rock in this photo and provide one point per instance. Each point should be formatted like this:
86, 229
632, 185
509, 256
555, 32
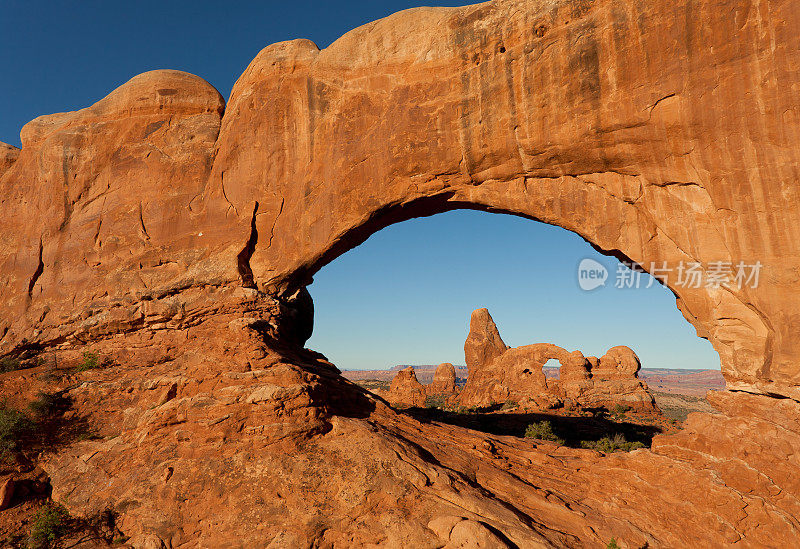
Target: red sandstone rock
444, 381
483, 342
6, 492
8, 155
406, 390
515, 375
178, 241
319, 149
615, 381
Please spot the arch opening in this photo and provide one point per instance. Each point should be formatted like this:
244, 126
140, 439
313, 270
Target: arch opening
402, 298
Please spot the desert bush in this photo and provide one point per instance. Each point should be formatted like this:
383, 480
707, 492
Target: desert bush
48, 405
436, 401
620, 409
9, 364
612, 444
543, 430
47, 526
90, 362
15, 426
468, 410
613, 544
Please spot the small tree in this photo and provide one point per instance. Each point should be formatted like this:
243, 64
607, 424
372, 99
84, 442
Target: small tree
48, 524
543, 430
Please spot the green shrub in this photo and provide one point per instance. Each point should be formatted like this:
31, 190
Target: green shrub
543, 430
9, 364
14, 427
613, 544
436, 401
90, 362
48, 525
608, 445
48, 405
620, 409
467, 410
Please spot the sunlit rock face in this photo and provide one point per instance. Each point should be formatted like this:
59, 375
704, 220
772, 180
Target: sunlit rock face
406, 390
175, 235
598, 116
498, 374
444, 381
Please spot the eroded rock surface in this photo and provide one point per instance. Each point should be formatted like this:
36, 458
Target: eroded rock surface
406, 390
199, 451
498, 374
615, 381
8, 155
444, 381
176, 235
577, 116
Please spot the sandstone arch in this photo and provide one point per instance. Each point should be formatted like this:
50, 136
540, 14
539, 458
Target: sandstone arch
577, 115
656, 130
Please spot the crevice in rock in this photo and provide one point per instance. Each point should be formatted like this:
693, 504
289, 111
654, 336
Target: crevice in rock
141, 223
652, 108
275, 222
243, 259
38, 272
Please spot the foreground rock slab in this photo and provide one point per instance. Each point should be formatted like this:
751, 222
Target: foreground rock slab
289, 454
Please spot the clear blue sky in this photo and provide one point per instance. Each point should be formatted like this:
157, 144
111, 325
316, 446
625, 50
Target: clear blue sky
63, 55
405, 295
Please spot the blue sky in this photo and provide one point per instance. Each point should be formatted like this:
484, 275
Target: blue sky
60, 56
405, 295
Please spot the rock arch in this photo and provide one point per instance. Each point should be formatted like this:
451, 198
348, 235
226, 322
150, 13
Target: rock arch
576, 115
658, 131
